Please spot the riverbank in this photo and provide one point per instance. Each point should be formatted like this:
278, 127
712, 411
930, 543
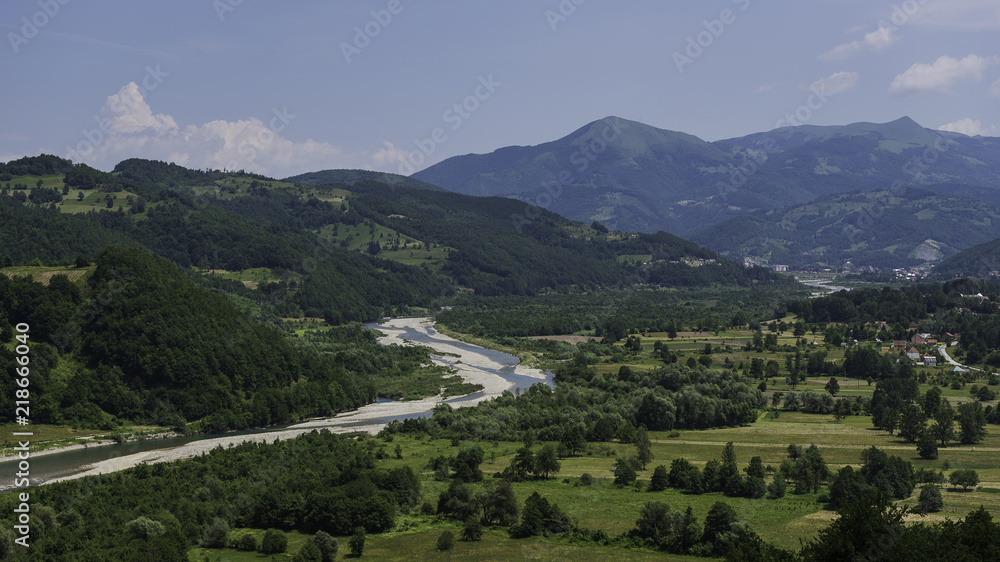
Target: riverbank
474, 367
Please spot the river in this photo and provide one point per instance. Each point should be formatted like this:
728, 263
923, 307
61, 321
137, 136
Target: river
495, 371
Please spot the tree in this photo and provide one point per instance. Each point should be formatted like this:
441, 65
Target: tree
776, 489
539, 516
865, 529
966, 478
912, 421
523, 464
927, 445
546, 462
644, 448
573, 438
357, 542
472, 530
500, 505
446, 541
930, 498
971, 423
932, 401
659, 480
467, 463
624, 472
942, 429
144, 528
756, 468
809, 471
215, 534
728, 461
626, 432
308, 553
327, 545
274, 542
832, 386
720, 519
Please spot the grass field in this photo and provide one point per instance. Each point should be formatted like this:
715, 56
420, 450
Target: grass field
43, 274
785, 522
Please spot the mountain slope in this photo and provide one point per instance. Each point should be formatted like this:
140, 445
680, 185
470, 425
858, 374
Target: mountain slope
632, 176
878, 229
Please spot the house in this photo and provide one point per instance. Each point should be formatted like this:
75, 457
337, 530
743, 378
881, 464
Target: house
918, 339
930, 361
899, 345
913, 353
914, 325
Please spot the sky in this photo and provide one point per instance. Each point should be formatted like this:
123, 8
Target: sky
282, 88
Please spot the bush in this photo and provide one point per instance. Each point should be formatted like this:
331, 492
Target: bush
275, 542
586, 479
357, 542
215, 533
327, 545
246, 542
144, 528
472, 530
308, 553
930, 498
446, 541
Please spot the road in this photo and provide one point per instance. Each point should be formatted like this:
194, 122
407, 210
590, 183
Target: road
943, 350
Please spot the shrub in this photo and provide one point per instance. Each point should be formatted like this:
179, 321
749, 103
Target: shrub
357, 542
446, 541
274, 542
930, 498
246, 542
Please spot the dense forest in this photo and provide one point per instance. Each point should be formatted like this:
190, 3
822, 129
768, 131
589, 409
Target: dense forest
140, 341
318, 483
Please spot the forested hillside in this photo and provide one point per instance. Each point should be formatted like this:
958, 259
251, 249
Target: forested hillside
344, 251
141, 342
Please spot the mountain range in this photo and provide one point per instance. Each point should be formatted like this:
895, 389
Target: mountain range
634, 177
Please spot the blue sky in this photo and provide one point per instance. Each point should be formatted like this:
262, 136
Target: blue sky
288, 87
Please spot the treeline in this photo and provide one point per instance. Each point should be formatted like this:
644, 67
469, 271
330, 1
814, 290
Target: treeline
316, 482
894, 306
45, 164
616, 313
600, 408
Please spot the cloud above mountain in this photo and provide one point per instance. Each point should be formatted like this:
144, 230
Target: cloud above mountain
876, 41
128, 128
941, 75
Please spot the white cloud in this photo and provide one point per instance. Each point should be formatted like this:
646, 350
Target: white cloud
994, 91
876, 41
128, 128
835, 83
767, 87
969, 127
941, 75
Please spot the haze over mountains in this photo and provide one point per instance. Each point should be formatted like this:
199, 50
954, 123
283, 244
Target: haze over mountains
635, 177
